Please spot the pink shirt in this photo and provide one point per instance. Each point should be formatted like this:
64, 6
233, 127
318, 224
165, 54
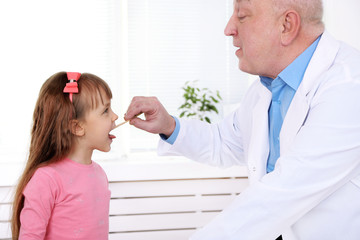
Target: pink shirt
66, 200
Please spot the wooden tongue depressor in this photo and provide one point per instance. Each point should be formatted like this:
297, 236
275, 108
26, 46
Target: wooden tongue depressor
125, 121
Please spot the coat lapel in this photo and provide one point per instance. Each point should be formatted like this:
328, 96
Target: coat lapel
259, 139
295, 117
300, 105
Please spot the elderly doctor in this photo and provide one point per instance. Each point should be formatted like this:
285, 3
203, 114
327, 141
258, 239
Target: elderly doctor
297, 129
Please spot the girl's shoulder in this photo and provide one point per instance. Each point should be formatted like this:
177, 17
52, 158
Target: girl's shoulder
66, 169
51, 169
43, 180
97, 166
52, 173
46, 173
99, 171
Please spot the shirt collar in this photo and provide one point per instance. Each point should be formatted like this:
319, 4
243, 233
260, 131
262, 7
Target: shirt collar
293, 74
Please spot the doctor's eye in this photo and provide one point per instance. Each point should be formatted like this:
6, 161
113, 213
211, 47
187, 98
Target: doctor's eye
242, 18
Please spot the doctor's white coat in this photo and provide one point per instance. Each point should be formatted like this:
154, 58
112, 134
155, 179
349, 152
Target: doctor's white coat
314, 191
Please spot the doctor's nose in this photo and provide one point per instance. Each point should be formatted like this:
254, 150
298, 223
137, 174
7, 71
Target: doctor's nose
230, 29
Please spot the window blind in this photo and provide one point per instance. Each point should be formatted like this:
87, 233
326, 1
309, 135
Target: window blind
39, 38
171, 42
140, 47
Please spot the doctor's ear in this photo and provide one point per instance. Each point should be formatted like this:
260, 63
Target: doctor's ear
290, 27
77, 128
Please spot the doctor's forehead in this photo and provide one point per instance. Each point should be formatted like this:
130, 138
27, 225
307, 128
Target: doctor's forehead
242, 1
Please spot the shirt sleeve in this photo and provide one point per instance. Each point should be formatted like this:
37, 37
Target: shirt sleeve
174, 135
40, 196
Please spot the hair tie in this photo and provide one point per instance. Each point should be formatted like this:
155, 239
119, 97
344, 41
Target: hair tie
72, 86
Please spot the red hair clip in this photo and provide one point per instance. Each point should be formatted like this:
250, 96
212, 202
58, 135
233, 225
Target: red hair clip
72, 86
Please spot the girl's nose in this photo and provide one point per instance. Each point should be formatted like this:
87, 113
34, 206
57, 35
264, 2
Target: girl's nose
115, 117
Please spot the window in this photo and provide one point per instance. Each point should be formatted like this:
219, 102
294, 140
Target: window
41, 37
140, 47
171, 42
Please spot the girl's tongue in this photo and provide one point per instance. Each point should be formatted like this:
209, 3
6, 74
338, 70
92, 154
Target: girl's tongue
112, 136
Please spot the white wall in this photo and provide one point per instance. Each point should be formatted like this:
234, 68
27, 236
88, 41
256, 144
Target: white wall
342, 19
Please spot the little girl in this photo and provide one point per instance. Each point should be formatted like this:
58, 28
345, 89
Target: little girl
62, 193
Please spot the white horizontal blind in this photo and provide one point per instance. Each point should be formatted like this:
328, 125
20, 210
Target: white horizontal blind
41, 37
171, 42
140, 47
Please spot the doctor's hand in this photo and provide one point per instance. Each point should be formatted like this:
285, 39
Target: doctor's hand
157, 119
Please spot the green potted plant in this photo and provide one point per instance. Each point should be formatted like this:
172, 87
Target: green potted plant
199, 103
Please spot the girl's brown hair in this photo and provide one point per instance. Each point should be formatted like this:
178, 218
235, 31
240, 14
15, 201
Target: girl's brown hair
51, 136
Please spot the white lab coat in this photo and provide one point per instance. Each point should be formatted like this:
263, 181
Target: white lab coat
314, 191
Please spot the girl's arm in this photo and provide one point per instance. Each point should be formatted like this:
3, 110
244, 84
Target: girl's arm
40, 194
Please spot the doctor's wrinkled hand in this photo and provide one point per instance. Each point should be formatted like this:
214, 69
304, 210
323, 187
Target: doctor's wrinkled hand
157, 119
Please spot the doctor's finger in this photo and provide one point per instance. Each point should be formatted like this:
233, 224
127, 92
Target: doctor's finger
139, 105
146, 125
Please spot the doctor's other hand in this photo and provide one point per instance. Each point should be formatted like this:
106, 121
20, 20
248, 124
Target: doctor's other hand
157, 119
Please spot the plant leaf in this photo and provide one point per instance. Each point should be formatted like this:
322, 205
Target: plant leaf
207, 119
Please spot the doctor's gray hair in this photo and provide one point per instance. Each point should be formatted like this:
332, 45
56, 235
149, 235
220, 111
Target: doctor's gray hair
310, 11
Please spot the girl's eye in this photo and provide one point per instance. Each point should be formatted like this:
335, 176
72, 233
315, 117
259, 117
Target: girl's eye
106, 110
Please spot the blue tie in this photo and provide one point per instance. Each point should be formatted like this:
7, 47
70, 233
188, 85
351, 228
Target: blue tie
275, 122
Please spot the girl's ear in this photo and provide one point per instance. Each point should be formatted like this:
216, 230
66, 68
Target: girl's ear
77, 128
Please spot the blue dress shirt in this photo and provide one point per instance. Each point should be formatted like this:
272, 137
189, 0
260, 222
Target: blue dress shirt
283, 89
175, 133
